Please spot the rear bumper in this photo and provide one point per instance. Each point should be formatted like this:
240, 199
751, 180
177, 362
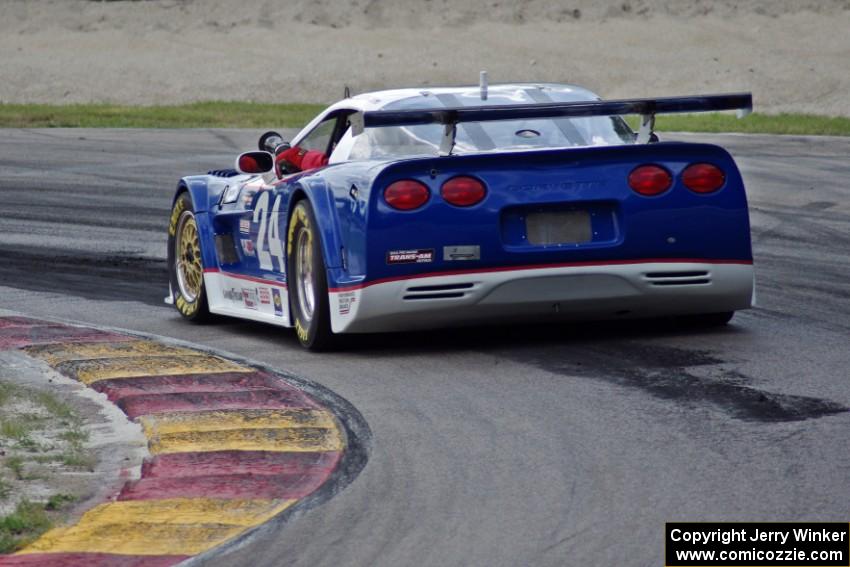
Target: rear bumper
605, 291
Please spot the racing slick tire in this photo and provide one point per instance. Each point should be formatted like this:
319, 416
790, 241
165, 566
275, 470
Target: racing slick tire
308, 280
185, 266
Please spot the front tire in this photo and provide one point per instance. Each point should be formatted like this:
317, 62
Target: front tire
308, 280
185, 266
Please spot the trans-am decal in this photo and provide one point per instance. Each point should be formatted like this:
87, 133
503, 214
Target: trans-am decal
422, 256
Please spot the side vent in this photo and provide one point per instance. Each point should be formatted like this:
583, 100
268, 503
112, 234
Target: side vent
448, 291
678, 278
226, 249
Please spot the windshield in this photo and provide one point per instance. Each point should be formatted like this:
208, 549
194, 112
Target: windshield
399, 141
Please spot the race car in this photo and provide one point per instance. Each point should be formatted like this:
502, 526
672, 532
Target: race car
431, 207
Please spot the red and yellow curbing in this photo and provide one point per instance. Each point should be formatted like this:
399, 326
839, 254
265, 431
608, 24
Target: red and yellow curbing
231, 446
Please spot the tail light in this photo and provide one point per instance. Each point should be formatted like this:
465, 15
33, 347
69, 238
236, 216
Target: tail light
463, 191
650, 180
406, 195
703, 178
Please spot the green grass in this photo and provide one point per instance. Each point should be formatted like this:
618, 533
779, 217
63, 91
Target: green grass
15, 463
7, 390
797, 124
53, 405
195, 115
78, 460
75, 455
294, 115
27, 522
16, 430
58, 501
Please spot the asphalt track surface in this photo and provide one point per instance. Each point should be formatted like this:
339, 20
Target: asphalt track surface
546, 445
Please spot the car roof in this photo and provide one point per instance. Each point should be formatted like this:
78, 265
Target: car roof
425, 97
380, 99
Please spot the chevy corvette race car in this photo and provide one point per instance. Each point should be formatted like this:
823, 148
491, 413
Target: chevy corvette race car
454, 206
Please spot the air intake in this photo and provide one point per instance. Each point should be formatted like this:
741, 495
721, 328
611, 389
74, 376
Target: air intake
448, 291
223, 172
678, 278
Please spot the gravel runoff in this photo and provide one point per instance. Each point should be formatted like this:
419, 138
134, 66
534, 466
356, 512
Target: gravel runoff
794, 55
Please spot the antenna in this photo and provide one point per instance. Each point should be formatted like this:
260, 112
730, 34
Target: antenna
482, 82
346, 93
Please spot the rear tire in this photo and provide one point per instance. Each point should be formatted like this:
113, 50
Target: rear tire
308, 280
185, 264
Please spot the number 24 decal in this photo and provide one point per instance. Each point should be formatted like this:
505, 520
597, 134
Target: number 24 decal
275, 245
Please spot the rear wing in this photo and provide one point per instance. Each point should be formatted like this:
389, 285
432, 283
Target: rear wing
450, 117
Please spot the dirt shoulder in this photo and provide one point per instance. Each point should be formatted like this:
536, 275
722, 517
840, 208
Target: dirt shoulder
62, 449
794, 56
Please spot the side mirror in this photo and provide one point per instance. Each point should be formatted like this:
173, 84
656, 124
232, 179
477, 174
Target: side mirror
255, 162
270, 141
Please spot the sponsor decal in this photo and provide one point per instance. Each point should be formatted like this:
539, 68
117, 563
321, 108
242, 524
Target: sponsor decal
301, 331
248, 247
265, 295
245, 226
461, 253
249, 298
422, 256
233, 294
346, 301
278, 302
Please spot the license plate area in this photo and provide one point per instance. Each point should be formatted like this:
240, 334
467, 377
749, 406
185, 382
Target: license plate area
560, 225
546, 228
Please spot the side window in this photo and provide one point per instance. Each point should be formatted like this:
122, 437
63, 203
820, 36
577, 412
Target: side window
320, 137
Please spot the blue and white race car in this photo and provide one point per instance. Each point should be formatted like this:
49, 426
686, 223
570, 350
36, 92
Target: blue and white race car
422, 208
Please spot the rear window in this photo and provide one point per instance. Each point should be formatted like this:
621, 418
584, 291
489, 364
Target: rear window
400, 141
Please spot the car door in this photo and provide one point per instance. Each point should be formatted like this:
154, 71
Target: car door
272, 211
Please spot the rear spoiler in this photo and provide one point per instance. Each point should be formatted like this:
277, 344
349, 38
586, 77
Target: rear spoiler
450, 117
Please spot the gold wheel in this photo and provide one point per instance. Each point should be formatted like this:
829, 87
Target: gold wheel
187, 253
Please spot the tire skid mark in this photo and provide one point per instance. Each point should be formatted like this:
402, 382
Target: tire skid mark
670, 373
232, 447
85, 274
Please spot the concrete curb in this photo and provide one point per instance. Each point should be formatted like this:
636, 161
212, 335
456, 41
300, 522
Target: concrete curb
289, 444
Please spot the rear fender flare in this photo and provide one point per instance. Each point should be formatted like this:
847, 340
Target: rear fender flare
322, 200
